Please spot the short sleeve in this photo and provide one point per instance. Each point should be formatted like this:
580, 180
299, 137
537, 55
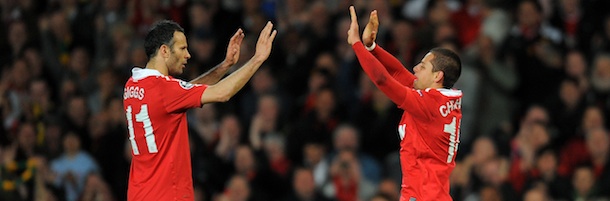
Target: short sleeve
179, 95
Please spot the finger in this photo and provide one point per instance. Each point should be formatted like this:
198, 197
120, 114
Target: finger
234, 37
273, 34
240, 33
352, 12
239, 37
267, 30
264, 33
372, 16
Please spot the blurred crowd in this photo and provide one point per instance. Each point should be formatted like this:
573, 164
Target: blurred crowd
309, 125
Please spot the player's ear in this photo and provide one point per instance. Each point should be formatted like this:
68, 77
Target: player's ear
439, 76
164, 51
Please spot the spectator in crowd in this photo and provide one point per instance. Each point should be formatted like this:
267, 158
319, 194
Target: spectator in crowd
347, 182
347, 137
598, 144
71, 170
545, 173
314, 157
389, 188
600, 81
583, 183
237, 189
265, 184
539, 69
304, 188
566, 110
536, 195
575, 151
464, 178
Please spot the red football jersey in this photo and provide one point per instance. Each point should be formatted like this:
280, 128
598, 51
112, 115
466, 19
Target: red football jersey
428, 130
429, 133
155, 107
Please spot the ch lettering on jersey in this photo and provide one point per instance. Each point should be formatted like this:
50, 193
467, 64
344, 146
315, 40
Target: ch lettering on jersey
450, 106
133, 92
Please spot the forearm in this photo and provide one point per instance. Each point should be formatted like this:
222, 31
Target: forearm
213, 75
379, 75
393, 65
229, 86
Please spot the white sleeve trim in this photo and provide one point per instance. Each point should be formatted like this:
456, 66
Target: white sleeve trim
372, 47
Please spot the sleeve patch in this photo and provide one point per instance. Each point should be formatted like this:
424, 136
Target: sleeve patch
186, 85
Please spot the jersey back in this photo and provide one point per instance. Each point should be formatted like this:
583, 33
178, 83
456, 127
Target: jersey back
429, 133
155, 107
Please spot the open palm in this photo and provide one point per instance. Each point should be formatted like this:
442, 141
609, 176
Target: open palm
370, 31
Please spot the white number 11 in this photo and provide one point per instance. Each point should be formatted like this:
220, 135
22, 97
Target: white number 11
452, 129
142, 117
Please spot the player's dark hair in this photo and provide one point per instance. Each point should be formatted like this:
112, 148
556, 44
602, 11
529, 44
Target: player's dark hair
447, 61
161, 33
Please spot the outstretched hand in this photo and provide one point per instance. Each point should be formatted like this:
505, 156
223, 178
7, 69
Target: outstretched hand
352, 34
370, 31
265, 42
234, 48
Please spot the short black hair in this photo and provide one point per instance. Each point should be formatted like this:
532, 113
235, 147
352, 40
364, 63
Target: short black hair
449, 62
161, 33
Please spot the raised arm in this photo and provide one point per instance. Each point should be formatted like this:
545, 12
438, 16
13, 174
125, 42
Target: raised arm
372, 67
213, 75
392, 65
227, 87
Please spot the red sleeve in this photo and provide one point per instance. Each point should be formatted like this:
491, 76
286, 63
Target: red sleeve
418, 103
398, 93
394, 67
179, 95
379, 75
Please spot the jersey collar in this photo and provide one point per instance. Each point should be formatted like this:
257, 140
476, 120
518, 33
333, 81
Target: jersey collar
141, 73
450, 92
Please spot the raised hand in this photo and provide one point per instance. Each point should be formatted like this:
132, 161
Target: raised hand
352, 34
265, 42
370, 31
234, 48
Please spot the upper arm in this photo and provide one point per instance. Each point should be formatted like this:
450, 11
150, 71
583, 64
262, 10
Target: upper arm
393, 66
379, 75
180, 95
417, 103
213, 94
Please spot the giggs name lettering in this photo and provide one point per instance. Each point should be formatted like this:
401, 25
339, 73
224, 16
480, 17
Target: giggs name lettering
450, 106
133, 92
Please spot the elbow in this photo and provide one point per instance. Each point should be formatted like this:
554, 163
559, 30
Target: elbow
378, 76
225, 97
380, 80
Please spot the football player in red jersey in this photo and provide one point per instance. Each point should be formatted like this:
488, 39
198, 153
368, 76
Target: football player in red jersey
156, 103
430, 126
